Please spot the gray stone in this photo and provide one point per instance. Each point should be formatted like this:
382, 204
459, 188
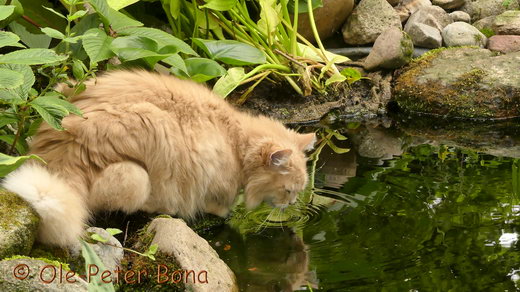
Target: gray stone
449, 4
433, 16
504, 43
461, 82
407, 7
368, 20
463, 34
424, 35
26, 274
507, 23
18, 225
111, 252
479, 9
460, 16
392, 49
192, 252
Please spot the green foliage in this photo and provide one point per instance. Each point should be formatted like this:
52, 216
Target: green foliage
92, 260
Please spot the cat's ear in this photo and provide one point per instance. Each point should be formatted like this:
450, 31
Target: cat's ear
306, 141
279, 158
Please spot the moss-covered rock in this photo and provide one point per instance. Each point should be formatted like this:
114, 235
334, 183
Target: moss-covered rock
461, 82
18, 225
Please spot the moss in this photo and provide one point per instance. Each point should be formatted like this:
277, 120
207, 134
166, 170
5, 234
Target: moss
462, 98
488, 32
58, 254
65, 266
18, 225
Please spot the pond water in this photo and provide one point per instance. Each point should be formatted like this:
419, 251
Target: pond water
413, 206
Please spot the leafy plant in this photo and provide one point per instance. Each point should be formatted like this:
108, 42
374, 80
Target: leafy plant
150, 253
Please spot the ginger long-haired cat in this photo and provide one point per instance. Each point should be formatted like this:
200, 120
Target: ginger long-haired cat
158, 144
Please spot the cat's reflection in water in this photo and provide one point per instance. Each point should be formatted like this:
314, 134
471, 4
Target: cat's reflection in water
273, 260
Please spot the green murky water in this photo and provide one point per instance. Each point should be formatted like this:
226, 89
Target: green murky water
409, 208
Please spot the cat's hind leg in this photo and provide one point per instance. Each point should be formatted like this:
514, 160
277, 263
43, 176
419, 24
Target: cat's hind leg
121, 186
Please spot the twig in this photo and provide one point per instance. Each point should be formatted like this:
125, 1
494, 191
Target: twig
290, 58
29, 20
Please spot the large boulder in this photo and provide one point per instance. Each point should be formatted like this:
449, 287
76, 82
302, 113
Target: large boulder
463, 34
461, 82
460, 16
479, 9
408, 7
507, 23
27, 274
392, 49
368, 20
328, 18
449, 4
192, 252
18, 225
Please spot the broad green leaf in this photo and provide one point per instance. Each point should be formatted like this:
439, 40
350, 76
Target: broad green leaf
28, 79
78, 69
6, 120
161, 37
176, 61
229, 82
9, 39
92, 259
134, 47
175, 8
231, 52
34, 9
120, 4
110, 16
52, 120
32, 40
312, 54
97, 45
77, 15
113, 231
10, 163
10, 97
53, 33
6, 11
270, 17
303, 7
202, 69
32, 57
10, 79
220, 5
53, 100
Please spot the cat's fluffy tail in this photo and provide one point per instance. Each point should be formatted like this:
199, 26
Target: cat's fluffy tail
63, 212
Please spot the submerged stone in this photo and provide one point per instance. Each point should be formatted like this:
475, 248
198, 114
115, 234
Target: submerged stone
461, 82
18, 225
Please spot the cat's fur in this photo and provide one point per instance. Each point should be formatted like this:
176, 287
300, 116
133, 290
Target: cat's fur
159, 144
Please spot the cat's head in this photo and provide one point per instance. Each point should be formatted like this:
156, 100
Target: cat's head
277, 170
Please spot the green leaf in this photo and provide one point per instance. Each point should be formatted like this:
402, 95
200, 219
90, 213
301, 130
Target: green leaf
161, 37
309, 53
270, 16
202, 69
115, 19
9, 39
120, 4
50, 101
220, 5
77, 15
175, 8
5, 120
6, 11
335, 78
177, 62
10, 79
10, 163
97, 45
36, 11
32, 57
53, 33
32, 40
98, 237
55, 12
28, 79
9, 97
92, 259
113, 231
231, 52
337, 149
229, 82
78, 69
53, 121
153, 249
130, 48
